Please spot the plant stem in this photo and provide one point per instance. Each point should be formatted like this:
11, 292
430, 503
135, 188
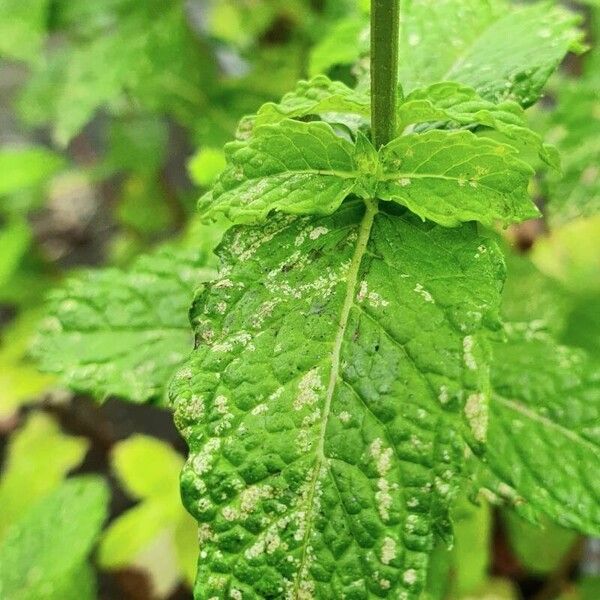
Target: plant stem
385, 31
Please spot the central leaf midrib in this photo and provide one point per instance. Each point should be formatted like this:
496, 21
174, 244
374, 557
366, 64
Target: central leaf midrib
364, 234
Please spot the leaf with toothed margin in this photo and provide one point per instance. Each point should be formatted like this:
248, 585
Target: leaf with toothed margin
123, 332
447, 177
543, 441
453, 177
466, 41
319, 96
294, 167
340, 372
453, 105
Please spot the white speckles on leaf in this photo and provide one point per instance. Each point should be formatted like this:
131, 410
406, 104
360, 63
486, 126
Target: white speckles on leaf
410, 577
223, 283
345, 417
476, 411
317, 232
375, 300
363, 290
309, 389
443, 395
469, 358
419, 289
383, 462
388, 550
243, 338
202, 462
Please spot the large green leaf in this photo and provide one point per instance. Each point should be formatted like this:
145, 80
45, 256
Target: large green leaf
340, 371
465, 41
39, 456
41, 553
543, 442
123, 333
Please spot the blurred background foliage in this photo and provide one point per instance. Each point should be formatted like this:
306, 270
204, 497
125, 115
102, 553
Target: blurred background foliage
113, 114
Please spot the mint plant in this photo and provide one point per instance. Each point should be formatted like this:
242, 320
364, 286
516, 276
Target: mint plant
340, 387
354, 372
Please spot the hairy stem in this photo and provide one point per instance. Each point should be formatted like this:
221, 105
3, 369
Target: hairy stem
385, 30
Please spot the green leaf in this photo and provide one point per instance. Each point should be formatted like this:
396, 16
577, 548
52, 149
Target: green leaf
496, 588
39, 457
452, 177
544, 443
587, 588
152, 535
145, 538
449, 101
455, 105
39, 553
122, 333
26, 167
137, 143
465, 41
340, 370
300, 168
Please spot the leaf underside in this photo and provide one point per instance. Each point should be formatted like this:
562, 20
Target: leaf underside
340, 370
